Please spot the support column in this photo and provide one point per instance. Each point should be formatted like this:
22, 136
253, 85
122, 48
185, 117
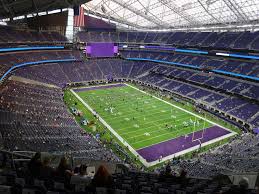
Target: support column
70, 25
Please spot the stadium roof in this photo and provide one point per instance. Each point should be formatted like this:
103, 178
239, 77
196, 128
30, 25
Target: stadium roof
14, 8
173, 14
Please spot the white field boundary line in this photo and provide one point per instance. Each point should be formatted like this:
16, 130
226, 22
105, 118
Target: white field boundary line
182, 109
133, 151
190, 149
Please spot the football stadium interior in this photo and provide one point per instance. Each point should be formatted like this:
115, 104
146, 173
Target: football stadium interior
128, 97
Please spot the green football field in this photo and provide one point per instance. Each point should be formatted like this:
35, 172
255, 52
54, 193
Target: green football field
140, 119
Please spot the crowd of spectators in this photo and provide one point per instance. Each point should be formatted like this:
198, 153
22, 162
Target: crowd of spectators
41, 167
35, 118
11, 59
239, 155
229, 95
35, 124
41, 176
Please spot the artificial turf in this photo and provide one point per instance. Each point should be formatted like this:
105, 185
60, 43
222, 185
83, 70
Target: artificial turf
140, 119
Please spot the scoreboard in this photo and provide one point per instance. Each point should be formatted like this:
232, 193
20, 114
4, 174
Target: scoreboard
101, 49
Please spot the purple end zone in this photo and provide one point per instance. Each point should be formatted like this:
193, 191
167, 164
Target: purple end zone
98, 87
181, 143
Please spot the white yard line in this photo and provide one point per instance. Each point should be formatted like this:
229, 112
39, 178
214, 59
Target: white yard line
146, 123
156, 130
169, 139
159, 128
142, 129
140, 113
165, 140
133, 151
154, 138
180, 108
146, 115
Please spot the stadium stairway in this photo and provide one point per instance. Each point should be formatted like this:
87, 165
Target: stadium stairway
253, 117
143, 75
236, 108
30, 81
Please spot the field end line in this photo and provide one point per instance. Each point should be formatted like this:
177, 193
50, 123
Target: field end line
92, 86
181, 109
148, 164
167, 139
175, 138
133, 151
190, 149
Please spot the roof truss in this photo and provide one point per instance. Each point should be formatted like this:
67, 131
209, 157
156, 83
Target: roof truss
175, 14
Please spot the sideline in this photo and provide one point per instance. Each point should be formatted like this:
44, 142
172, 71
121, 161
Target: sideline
133, 151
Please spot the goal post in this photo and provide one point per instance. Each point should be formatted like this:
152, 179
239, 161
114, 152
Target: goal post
194, 130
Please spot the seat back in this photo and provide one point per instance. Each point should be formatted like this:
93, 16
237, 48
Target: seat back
28, 191
180, 192
118, 191
5, 189
80, 187
39, 183
101, 190
59, 186
3, 180
20, 181
52, 192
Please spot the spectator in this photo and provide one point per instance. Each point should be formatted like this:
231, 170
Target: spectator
46, 172
243, 183
82, 177
102, 178
167, 172
77, 169
35, 164
183, 173
63, 169
241, 189
82, 170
